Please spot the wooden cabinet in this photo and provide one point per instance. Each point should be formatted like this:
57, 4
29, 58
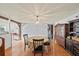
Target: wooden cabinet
61, 31
74, 27
2, 47
69, 45
76, 50
72, 44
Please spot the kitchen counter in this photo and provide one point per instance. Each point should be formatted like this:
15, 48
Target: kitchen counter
75, 38
72, 45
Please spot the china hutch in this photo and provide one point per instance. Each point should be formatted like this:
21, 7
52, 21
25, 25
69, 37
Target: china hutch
61, 32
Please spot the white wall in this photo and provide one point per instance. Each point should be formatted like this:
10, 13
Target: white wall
5, 24
35, 29
14, 29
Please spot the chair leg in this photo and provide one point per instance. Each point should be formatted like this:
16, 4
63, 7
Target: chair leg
42, 53
49, 48
34, 53
24, 47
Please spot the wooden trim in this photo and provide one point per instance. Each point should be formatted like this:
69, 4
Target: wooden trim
8, 19
60, 24
4, 17
19, 25
15, 22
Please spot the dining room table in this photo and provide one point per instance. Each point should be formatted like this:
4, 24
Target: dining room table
30, 40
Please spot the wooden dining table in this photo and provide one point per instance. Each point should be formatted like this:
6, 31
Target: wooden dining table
30, 40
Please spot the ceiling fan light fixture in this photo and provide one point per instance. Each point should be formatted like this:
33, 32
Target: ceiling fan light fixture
37, 21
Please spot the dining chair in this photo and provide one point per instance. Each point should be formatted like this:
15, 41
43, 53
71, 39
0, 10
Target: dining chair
25, 40
47, 44
38, 45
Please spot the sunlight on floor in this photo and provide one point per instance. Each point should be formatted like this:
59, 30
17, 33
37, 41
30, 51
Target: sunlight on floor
56, 50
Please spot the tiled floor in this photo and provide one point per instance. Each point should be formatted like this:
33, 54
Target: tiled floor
56, 50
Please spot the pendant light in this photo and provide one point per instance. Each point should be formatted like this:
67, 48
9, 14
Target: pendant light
37, 20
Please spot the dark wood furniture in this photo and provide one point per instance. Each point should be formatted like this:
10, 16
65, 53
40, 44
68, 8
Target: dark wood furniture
75, 48
69, 46
69, 42
25, 40
2, 47
50, 31
61, 31
72, 43
38, 45
48, 45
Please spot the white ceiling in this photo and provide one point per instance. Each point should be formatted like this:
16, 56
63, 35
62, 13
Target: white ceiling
48, 13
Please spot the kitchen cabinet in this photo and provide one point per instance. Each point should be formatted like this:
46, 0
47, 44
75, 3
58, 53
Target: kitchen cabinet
72, 43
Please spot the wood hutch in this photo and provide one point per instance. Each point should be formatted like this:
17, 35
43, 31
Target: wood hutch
61, 31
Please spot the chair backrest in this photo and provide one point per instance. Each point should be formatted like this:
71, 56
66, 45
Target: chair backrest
38, 42
25, 38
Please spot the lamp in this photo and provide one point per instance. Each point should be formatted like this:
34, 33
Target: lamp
37, 21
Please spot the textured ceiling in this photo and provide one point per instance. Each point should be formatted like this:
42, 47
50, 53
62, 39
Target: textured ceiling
48, 13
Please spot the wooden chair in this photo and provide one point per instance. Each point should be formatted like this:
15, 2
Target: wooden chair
25, 40
38, 46
48, 45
